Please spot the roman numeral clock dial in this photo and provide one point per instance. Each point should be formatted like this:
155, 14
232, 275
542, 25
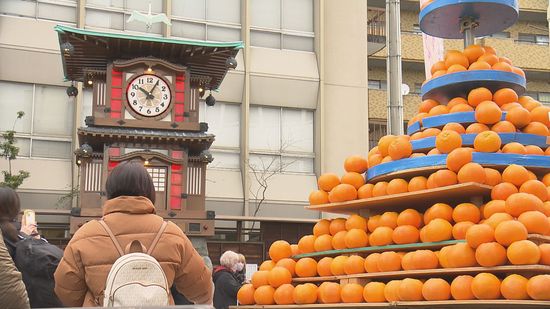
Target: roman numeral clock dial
148, 95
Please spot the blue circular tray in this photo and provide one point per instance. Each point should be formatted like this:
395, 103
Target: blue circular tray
441, 120
428, 143
441, 18
439, 161
459, 84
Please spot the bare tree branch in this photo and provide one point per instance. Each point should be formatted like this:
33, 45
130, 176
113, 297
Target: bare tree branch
262, 175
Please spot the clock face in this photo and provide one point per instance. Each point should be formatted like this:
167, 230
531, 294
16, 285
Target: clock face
148, 95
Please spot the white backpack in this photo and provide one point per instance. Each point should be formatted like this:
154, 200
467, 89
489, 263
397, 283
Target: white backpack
136, 278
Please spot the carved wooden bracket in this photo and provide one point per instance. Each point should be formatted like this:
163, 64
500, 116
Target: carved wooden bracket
147, 155
148, 61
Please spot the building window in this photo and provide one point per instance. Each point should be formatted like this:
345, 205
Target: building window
377, 129
542, 97
158, 174
539, 39
113, 14
416, 29
377, 84
281, 139
46, 129
282, 24
211, 20
500, 35
60, 10
223, 121
417, 89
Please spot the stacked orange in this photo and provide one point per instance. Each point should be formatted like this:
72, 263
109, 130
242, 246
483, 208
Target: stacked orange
493, 234
474, 57
496, 234
523, 114
335, 189
460, 169
514, 192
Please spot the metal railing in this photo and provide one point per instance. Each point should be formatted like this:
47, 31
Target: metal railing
376, 25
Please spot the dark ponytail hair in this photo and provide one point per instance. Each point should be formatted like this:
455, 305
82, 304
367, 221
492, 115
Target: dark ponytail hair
10, 207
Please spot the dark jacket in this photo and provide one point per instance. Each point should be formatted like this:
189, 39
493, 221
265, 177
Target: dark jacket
12, 290
241, 275
226, 286
37, 260
11, 244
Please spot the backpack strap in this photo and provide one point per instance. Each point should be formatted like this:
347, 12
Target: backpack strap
157, 238
112, 236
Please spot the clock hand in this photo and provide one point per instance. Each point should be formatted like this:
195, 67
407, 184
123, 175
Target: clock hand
151, 96
144, 91
155, 86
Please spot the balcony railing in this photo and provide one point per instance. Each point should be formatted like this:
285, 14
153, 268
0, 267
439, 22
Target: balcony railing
376, 30
376, 25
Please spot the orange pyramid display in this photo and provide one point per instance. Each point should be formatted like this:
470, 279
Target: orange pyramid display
452, 211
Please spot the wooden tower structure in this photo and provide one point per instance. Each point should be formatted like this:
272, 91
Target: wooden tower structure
145, 108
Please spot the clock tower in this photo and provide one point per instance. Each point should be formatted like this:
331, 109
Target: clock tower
146, 93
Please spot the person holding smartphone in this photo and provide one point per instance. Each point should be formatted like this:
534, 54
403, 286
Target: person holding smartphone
28, 224
12, 230
33, 256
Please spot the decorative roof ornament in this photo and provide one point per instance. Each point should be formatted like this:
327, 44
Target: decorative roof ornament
149, 19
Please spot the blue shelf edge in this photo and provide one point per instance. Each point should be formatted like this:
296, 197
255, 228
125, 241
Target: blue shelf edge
448, 86
529, 161
442, 120
413, 128
483, 11
468, 140
462, 117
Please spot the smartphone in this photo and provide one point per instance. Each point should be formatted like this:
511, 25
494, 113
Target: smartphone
29, 217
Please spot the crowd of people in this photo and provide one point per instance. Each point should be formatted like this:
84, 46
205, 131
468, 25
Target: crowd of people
129, 256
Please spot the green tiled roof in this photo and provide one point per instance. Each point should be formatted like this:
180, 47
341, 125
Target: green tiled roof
114, 35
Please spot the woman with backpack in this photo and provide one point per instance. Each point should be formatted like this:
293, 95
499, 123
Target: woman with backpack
129, 228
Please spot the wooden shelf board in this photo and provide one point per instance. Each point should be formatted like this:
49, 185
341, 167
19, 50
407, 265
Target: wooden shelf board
415, 199
405, 247
498, 303
438, 272
539, 239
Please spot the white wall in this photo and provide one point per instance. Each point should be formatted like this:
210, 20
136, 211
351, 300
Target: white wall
46, 174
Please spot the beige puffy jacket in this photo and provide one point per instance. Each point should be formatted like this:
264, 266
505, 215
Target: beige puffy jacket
82, 273
13, 294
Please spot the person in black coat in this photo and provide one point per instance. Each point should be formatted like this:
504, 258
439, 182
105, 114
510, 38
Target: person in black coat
241, 273
34, 257
225, 279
